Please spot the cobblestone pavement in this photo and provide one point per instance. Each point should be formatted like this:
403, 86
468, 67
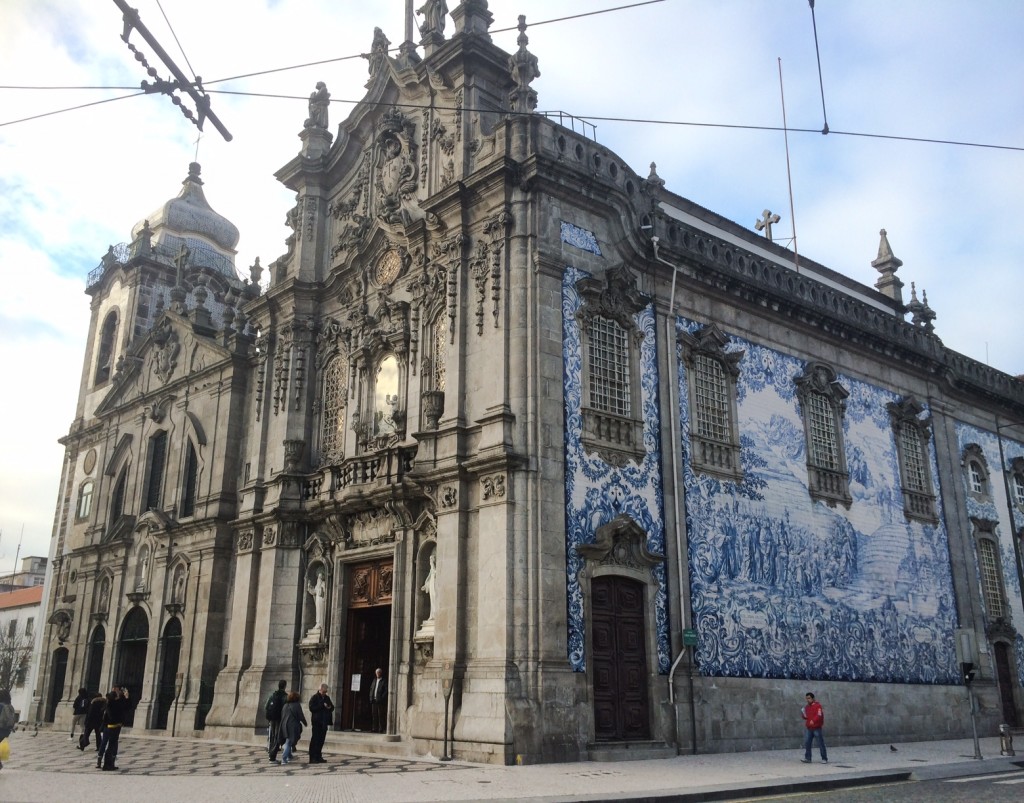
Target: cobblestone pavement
144, 755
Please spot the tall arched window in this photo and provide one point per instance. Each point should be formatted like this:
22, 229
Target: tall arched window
157, 459
105, 356
190, 479
335, 399
84, 500
117, 498
823, 404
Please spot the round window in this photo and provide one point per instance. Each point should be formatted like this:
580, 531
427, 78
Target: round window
388, 267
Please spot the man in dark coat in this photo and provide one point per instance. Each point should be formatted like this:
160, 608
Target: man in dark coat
93, 722
113, 720
378, 699
79, 709
321, 711
274, 709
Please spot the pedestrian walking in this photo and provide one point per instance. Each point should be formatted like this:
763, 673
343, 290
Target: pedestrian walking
321, 716
8, 721
93, 722
273, 711
814, 721
79, 708
113, 719
292, 720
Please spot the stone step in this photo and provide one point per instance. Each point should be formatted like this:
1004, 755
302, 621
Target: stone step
629, 751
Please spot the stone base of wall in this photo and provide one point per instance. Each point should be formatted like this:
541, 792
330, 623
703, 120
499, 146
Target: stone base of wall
742, 714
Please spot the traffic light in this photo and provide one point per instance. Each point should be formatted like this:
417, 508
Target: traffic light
968, 672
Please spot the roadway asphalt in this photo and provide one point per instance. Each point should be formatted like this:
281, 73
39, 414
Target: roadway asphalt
46, 766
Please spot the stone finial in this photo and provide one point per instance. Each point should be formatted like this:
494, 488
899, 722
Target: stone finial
887, 264
523, 66
434, 13
472, 17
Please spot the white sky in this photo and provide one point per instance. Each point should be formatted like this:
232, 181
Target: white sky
73, 183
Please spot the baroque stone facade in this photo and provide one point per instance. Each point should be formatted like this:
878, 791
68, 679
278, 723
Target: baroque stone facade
516, 424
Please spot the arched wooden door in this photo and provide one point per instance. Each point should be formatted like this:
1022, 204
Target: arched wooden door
1005, 679
131, 657
170, 646
60, 671
619, 658
94, 667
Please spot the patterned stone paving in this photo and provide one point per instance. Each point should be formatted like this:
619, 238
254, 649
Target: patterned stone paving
147, 755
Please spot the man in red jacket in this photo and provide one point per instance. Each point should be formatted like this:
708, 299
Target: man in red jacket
814, 719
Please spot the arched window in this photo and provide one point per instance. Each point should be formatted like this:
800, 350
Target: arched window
84, 507
118, 497
157, 459
912, 432
105, 356
711, 377
190, 479
991, 580
976, 472
385, 397
823, 404
335, 400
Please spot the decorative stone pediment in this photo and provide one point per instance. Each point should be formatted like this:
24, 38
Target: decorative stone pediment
371, 527
621, 543
611, 295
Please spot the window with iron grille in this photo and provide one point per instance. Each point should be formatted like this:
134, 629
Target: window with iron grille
991, 588
335, 390
440, 351
915, 474
711, 394
1018, 489
609, 367
822, 404
912, 428
823, 447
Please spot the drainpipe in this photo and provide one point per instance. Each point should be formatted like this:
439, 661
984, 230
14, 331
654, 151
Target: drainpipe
673, 387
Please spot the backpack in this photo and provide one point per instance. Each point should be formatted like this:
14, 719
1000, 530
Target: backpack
273, 707
8, 717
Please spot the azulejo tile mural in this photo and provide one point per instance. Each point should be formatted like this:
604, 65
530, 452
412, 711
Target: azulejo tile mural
596, 492
784, 586
994, 506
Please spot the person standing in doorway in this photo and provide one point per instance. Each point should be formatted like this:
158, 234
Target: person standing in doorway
814, 721
321, 715
378, 699
273, 711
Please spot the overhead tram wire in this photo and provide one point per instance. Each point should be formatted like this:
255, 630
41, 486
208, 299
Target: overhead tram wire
821, 82
136, 94
176, 41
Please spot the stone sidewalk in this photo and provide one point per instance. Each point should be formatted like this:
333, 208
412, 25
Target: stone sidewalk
47, 767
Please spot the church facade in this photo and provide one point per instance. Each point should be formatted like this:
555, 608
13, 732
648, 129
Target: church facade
584, 468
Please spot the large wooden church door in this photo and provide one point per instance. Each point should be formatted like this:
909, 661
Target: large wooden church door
368, 638
619, 659
1005, 679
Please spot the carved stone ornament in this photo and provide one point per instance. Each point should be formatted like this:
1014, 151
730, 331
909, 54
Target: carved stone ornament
493, 486
432, 402
165, 355
621, 543
245, 540
613, 295
61, 620
449, 497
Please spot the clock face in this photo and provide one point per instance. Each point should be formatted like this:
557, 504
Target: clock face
388, 268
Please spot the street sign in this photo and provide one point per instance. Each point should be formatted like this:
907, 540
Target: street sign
690, 637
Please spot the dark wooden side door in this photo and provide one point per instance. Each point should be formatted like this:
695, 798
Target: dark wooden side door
619, 660
368, 638
1005, 678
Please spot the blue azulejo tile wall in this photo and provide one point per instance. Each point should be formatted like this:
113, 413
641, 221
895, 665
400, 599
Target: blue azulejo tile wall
995, 506
783, 586
595, 491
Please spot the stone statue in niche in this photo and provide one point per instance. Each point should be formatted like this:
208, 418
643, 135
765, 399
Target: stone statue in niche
103, 601
318, 591
430, 587
142, 570
178, 586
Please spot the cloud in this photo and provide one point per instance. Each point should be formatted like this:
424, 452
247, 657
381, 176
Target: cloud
76, 183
